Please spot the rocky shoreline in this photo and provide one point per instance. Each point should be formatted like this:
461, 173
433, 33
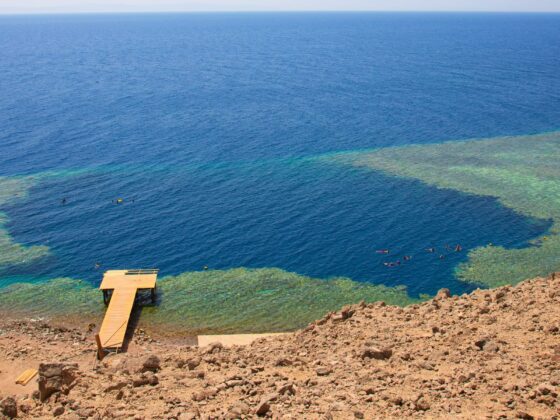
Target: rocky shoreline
489, 354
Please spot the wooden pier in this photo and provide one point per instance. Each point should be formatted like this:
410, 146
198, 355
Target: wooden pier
119, 292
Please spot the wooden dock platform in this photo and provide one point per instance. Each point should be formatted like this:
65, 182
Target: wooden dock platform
119, 292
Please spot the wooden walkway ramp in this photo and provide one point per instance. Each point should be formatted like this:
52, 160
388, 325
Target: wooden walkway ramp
119, 290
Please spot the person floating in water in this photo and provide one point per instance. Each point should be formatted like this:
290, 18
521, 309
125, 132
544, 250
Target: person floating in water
392, 263
407, 258
63, 201
382, 251
205, 268
97, 266
458, 248
431, 250
442, 257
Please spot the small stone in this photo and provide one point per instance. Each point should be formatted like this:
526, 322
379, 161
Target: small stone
395, 400
140, 381
214, 348
262, 409
480, 343
152, 364
283, 362
238, 410
193, 363
116, 387
287, 389
347, 312
264, 405
421, 405
58, 411
323, 371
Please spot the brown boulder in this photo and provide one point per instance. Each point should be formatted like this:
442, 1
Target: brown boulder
152, 364
8, 407
378, 353
56, 377
443, 294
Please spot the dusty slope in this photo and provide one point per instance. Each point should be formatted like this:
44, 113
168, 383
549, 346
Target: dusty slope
489, 354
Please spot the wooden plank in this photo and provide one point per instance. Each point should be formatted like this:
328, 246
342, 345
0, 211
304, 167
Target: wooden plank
140, 279
116, 318
26, 376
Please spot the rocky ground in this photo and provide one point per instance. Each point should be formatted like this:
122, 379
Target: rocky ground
490, 354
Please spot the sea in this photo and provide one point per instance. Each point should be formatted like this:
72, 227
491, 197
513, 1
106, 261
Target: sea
193, 139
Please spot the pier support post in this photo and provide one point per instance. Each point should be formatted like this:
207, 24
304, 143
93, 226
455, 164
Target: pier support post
100, 350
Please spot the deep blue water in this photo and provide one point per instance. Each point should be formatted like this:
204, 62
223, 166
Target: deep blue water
208, 121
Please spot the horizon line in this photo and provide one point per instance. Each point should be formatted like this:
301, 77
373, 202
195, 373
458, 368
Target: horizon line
256, 11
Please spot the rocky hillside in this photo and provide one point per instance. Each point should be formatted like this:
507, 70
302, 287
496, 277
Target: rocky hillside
493, 353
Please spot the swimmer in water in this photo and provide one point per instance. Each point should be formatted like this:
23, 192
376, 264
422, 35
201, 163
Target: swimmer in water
458, 248
431, 250
407, 258
64, 201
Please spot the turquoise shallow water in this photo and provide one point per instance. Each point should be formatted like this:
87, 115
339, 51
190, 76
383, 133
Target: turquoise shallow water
214, 128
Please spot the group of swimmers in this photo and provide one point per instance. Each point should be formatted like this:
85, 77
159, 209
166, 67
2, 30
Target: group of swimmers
432, 250
64, 201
